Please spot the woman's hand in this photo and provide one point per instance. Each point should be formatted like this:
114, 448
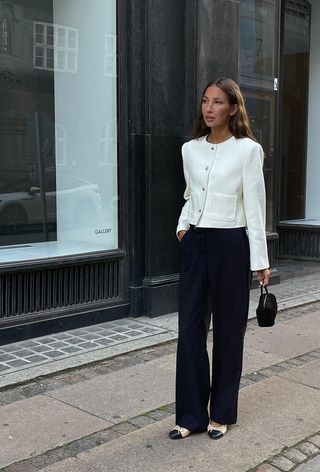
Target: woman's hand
181, 234
263, 276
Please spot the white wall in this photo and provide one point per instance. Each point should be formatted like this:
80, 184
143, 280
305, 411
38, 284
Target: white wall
85, 105
313, 159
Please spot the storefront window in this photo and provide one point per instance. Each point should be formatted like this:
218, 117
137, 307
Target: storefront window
258, 74
58, 131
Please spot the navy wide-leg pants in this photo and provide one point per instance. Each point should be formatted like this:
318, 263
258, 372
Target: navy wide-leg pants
215, 276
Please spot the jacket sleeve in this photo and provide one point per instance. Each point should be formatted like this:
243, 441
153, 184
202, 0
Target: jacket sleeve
183, 219
254, 201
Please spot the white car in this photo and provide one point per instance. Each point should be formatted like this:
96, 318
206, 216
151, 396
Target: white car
76, 201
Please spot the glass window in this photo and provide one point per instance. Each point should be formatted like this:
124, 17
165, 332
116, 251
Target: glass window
58, 168
258, 68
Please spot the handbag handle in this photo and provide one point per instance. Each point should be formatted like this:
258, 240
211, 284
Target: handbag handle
263, 287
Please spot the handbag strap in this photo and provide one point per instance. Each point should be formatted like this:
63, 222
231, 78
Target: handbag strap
262, 287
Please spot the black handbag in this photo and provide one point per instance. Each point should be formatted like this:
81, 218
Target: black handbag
267, 308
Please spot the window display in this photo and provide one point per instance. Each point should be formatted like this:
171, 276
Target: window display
58, 122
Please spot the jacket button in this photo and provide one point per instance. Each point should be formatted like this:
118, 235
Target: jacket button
199, 211
207, 168
203, 188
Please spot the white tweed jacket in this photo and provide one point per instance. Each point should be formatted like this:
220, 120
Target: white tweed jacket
225, 189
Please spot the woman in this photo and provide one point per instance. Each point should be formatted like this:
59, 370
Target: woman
222, 238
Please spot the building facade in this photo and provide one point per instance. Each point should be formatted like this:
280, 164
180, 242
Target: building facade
96, 100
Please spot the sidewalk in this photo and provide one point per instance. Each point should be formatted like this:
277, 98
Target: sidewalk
26, 360
113, 406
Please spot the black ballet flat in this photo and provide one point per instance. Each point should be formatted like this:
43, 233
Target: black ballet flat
216, 432
178, 432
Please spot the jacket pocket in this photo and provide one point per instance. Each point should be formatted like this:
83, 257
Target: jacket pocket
223, 207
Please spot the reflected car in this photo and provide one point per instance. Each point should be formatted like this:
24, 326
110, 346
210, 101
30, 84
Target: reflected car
77, 202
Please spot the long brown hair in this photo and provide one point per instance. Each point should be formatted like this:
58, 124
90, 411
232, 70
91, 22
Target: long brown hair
239, 123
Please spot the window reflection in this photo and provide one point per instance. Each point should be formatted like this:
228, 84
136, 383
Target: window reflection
58, 127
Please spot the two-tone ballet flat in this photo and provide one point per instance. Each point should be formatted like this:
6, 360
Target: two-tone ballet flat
216, 432
178, 432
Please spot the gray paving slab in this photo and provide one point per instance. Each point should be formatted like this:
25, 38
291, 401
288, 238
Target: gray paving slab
287, 338
70, 465
307, 374
121, 395
151, 449
32, 426
287, 411
313, 465
255, 360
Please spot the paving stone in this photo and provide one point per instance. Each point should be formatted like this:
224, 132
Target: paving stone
124, 428
283, 463
266, 468
297, 361
315, 354
29, 421
103, 370
286, 365
70, 349
255, 376
30, 343
244, 382
11, 347
54, 354
109, 435
18, 363
62, 336
267, 372
306, 358
46, 340
294, 455
307, 374
308, 448
37, 358
7, 357
105, 342
95, 328
34, 389
90, 337
118, 337
120, 329
69, 465
22, 467
89, 345
4, 367
42, 349
158, 414
58, 344
133, 334
10, 396
312, 465
171, 408
277, 368
141, 421
73, 379
315, 440
23, 353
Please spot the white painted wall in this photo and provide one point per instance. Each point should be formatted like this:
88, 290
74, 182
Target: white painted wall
86, 109
313, 159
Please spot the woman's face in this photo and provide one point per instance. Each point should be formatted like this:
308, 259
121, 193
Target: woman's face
216, 109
